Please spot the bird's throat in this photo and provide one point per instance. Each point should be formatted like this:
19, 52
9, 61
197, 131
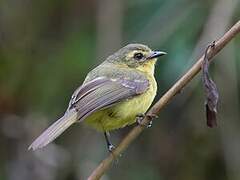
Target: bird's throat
148, 67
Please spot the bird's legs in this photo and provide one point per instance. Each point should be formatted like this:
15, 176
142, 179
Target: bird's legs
110, 146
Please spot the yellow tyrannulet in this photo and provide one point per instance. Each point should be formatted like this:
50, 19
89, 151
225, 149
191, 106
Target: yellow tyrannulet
112, 95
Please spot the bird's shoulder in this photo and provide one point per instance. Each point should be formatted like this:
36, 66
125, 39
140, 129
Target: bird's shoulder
114, 71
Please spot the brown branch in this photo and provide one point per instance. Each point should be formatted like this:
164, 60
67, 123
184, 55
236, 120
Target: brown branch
177, 87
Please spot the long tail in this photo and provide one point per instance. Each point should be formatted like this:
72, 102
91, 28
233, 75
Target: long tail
55, 130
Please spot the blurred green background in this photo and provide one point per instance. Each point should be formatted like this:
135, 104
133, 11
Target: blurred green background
46, 49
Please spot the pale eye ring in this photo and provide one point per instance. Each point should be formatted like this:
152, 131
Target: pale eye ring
138, 56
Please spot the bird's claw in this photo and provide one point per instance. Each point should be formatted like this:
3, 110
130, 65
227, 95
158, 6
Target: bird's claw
111, 148
140, 118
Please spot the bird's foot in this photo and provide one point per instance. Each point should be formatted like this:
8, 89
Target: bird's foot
111, 148
140, 118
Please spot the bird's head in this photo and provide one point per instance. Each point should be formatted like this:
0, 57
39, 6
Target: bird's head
136, 56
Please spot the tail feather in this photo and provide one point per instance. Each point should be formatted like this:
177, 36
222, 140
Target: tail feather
55, 130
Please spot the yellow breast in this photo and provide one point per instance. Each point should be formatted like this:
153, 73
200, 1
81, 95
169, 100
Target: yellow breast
128, 110
125, 112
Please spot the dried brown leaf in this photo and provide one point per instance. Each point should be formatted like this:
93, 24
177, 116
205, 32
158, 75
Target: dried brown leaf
211, 91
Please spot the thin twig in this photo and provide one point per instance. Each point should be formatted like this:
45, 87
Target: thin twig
163, 101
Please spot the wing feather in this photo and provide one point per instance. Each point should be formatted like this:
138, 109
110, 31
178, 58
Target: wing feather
95, 95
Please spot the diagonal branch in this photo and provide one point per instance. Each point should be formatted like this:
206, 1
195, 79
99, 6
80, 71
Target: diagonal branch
177, 87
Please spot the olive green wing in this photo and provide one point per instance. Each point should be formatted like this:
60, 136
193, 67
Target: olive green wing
95, 95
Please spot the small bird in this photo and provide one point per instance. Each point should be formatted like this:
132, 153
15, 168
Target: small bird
112, 95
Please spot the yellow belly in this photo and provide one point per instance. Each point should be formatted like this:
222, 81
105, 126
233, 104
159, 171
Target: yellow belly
123, 113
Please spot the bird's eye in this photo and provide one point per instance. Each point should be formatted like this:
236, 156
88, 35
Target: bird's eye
138, 56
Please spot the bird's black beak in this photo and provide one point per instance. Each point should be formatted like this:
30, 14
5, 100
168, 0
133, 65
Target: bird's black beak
155, 54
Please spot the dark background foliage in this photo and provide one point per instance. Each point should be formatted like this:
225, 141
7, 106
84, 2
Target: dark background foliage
46, 49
